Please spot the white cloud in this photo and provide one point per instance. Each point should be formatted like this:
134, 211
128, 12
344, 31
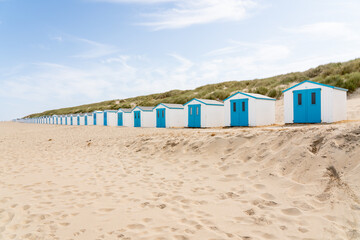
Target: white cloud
187, 12
136, 1
256, 51
184, 13
326, 30
95, 49
57, 38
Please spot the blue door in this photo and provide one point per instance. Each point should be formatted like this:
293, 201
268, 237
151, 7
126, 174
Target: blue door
160, 118
78, 120
94, 119
65, 120
137, 119
314, 106
71, 120
120, 118
86, 120
105, 118
307, 105
194, 115
57, 120
239, 112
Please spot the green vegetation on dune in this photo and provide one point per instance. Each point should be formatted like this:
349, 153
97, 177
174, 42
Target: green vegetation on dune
344, 75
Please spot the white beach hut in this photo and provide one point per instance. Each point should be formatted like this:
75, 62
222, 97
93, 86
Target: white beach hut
312, 102
169, 115
98, 117
68, 119
249, 109
143, 117
56, 119
82, 119
89, 119
74, 119
125, 117
110, 118
204, 113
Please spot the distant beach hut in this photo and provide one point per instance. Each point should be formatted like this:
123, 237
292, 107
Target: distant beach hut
74, 119
82, 119
125, 117
98, 118
249, 109
68, 120
204, 113
143, 116
89, 119
56, 119
312, 102
110, 118
169, 115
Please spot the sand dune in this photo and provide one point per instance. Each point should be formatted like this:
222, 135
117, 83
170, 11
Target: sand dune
68, 182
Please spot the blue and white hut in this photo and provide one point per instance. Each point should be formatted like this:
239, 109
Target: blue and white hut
82, 119
98, 118
125, 117
204, 113
89, 119
143, 117
169, 115
110, 118
312, 102
249, 109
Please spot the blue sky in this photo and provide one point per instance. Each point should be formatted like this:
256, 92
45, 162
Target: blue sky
56, 54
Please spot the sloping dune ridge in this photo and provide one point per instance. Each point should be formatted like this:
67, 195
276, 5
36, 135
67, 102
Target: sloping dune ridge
86, 182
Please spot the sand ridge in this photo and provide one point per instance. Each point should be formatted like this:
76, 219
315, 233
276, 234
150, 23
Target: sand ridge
77, 182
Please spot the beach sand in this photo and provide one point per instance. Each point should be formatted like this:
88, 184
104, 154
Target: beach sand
89, 182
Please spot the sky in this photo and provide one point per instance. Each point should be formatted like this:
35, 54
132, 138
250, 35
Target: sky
56, 54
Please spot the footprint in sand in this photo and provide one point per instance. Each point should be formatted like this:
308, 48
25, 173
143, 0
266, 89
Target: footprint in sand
268, 196
136, 226
26, 207
259, 186
291, 211
303, 230
147, 220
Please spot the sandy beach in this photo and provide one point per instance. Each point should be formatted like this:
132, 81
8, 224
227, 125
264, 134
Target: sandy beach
89, 182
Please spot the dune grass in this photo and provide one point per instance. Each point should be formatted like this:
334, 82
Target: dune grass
342, 74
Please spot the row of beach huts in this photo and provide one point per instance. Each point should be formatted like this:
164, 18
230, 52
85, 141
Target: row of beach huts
306, 102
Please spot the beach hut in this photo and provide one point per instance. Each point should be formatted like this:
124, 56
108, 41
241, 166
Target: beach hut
82, 119
98, 118
56, 119
249, 109
68, 119
169, 115
74, 119
143, 117
89, 119
312, 102
204, 113
78, 119
110, 118
125, 117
